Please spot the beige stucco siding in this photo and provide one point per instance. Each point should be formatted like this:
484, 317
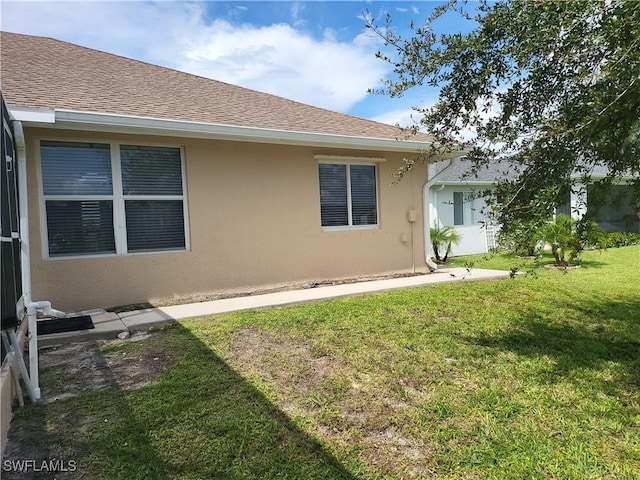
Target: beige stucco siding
254, 221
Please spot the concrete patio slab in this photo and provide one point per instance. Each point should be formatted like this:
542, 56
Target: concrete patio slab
143, 319
109, 325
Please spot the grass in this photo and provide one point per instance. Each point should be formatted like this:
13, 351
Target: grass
534, 377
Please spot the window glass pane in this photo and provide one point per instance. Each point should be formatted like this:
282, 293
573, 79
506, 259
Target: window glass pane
333, 195
155, 225
458, 202
151, 170
80, 227
469, 210
76, 168
363, 195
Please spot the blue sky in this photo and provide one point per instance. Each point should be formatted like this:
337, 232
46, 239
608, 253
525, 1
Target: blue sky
314, 52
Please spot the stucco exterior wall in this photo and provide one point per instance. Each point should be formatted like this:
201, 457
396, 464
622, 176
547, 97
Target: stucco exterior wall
254, 221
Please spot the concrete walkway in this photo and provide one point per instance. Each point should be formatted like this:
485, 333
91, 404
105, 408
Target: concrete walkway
110, 325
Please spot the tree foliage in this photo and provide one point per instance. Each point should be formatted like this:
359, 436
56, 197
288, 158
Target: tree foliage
550, 88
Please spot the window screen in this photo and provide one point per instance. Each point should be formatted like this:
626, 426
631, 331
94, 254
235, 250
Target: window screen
76, 168
83, 210
348, 195
154, 225
80, 227
152, 189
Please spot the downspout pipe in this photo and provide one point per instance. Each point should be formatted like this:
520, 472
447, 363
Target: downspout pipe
426, 196
32, 308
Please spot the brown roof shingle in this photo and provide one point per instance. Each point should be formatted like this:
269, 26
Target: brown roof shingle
47, 73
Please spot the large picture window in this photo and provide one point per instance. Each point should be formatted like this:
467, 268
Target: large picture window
112, 199
348, 195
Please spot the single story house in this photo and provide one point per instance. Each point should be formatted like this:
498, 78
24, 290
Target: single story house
146, 184
455, 199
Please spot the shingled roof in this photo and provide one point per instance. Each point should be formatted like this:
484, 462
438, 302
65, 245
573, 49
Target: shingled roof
45, 73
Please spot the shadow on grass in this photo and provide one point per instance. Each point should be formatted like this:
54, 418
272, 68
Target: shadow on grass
199, 419
607, 332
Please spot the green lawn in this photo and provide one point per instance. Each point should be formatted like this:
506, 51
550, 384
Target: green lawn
532, 377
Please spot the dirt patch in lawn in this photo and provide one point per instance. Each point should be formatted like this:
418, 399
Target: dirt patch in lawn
312, 384
67, 371
289, 364
337, 404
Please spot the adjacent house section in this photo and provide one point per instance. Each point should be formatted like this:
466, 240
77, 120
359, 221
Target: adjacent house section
456, 199
146, 184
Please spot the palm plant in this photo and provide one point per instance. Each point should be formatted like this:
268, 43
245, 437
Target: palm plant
442, 239
569, 238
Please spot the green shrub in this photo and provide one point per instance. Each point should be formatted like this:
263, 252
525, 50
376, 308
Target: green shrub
568, 238
522, 238
621, 239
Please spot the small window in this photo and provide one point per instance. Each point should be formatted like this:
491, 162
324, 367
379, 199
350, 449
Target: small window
85, 206
463, 208
348, 195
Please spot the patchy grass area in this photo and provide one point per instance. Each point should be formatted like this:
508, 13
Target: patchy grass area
535, 377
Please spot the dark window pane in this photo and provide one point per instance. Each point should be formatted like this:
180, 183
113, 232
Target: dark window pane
151, 170
155, 225
333, 195
80, 227
363, 195
458, 208
76, 168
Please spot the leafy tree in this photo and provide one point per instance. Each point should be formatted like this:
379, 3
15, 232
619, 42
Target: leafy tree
442, 239
550, 88
522, 238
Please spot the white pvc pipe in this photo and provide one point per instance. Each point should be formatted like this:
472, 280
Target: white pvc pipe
25, 257
426, 199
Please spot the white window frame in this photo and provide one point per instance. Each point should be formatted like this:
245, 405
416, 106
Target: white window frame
340, 160
118, 198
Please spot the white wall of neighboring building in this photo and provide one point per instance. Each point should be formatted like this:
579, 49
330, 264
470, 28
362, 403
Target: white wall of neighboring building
473, 231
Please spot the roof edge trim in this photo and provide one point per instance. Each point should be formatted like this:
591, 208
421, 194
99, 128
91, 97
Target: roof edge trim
115, 123
33, 115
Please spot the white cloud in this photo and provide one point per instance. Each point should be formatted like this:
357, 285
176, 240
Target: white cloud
297, 8
277, 59
405, 117
281, 60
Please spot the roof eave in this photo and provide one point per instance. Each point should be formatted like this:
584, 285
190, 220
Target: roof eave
464, 182
127, 124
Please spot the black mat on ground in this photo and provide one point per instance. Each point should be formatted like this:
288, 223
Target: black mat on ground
70, 324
